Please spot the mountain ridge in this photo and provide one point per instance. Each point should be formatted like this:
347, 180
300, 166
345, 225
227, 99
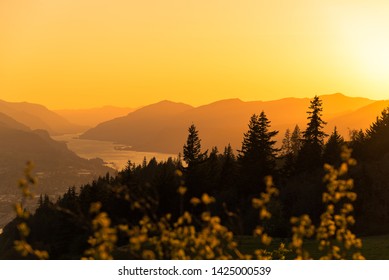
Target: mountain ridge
91, 117
223, 122
36, 116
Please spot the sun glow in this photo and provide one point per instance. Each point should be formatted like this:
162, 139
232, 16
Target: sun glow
372, 47
365, 44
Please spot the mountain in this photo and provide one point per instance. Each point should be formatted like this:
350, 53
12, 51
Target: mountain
138, 127
340, 104
53, 159
56, 167
6, 121
162, 127
361, 118
92, 117
38, 117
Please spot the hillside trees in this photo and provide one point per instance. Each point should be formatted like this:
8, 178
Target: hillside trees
333, 148
291, 145
377, 136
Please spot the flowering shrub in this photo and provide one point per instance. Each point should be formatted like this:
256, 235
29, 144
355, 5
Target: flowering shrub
21, 245
336, 241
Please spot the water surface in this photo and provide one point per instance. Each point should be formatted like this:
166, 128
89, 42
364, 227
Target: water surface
114, 155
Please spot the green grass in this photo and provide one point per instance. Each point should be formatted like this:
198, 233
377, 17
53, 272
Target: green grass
374, 247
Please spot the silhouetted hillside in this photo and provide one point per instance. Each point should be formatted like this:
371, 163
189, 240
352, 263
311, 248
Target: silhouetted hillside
139, 127
6, 121
57, 167
162, 128
360, 118
53, 160
38, 117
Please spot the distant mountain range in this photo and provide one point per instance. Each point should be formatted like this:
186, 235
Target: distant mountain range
8, 122
92, 117
37, 116
57, 167
162, 127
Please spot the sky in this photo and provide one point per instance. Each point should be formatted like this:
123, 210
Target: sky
89, 53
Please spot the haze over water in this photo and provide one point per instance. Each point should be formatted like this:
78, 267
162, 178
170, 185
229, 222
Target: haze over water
105, 150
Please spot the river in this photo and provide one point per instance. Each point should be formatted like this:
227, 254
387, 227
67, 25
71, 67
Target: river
107, 151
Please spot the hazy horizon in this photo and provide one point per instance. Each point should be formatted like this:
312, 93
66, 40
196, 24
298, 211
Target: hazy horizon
134, 108
72, 54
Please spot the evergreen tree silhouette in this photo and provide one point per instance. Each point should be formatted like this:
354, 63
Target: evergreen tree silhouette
310, 155
377, 136
192, 148
333, 148
295, 140
291, 145
257, 156
286, 147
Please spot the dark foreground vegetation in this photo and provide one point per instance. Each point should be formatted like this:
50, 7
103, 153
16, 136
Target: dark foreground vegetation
193, 206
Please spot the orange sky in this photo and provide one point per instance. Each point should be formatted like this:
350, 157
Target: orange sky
88, 53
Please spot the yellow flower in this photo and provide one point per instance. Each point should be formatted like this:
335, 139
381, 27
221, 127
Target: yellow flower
95, 207
182, 190
207, 199
195, 201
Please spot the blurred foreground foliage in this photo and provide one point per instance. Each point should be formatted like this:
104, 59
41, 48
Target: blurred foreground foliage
109, 220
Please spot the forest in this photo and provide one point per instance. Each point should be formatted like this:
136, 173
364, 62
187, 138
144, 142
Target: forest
196, 206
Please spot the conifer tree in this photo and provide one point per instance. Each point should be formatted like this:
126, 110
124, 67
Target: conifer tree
228, 152
313, 137
295, 140
314, 133
357, 143
192, 148
291, 145
257, 156
377, 136
286, 147
333, 148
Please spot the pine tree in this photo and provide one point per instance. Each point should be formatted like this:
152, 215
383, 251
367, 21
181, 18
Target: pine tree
310, 156
377, 136
228, 152
257, 156
380, 126
295, 140
291, 145
286, 147
314, 134
357, 143
333, 148
192, 148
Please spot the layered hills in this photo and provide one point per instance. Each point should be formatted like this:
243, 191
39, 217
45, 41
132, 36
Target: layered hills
56, 167
162, 127
36, 116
